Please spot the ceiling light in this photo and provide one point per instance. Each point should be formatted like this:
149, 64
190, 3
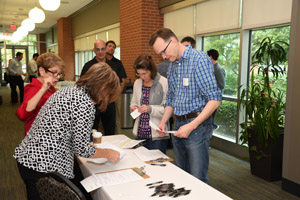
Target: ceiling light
28, 24
36, 15
22, 31
16, 37
50, 4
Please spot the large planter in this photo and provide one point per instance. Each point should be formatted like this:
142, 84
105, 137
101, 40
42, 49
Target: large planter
267, 167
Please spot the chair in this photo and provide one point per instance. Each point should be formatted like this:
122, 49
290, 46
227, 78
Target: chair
54, 186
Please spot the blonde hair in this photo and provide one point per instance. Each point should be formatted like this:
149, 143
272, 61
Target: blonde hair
102, 83
48, 60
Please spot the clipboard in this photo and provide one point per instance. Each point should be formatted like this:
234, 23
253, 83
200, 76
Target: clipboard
135, 169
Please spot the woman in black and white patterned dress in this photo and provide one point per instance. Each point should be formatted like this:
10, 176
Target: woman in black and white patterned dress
62, 128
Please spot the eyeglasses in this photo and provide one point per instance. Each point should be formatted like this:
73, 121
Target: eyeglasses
55, 74
102, 49
165, 49
141, 75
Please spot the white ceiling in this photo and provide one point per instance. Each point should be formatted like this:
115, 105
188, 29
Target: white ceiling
15, 11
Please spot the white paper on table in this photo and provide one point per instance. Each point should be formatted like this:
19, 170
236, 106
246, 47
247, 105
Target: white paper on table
110, 178
135, 114
129, 143
155, 127
106, 145
150, 155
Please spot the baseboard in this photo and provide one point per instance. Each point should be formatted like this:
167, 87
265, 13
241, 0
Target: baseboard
291, 187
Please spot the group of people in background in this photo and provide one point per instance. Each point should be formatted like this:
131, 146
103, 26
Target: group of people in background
187, 86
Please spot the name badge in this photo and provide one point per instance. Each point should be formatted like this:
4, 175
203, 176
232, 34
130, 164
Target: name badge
185, 82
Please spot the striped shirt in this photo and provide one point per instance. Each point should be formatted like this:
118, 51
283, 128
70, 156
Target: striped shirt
192, 83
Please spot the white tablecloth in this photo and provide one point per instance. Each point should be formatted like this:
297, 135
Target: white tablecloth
138, 190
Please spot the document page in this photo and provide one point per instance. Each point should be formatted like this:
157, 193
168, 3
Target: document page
150, 155
154, 126
135, 114
127, 143
110, 178
106, 145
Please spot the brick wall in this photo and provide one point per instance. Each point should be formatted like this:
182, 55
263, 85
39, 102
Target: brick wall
66, 47
138, 20
42, 43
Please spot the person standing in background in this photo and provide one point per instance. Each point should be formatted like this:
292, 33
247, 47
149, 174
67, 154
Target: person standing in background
188, 41
108, 116
163, 68
110, 50
149, 96
15, 77
220, 75
32, 67
193, 96
50, 67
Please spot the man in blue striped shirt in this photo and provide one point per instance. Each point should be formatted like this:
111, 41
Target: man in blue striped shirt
193, 95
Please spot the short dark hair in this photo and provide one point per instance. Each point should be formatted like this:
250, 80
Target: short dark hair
18, 54
35, 55
213, 53
145, 62
163, 33
190, 40
110, 41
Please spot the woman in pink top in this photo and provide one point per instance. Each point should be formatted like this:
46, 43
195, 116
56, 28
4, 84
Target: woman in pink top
50, 67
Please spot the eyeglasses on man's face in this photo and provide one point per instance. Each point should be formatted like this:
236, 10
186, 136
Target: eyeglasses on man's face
165, 49
55, 74
98, 49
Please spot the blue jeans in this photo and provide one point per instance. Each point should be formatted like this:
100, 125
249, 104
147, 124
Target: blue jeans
155, 144
191, 154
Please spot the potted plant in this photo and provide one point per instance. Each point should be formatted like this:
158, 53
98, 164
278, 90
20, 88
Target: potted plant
265, 110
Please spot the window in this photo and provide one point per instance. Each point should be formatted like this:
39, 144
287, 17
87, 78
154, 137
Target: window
228, 47
277, 34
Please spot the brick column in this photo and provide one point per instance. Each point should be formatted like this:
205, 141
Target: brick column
42, 43
138, 20
66, 47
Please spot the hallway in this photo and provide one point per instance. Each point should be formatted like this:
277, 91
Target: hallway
227, 174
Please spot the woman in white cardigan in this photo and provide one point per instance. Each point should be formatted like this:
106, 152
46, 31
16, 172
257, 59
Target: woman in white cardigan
149, 96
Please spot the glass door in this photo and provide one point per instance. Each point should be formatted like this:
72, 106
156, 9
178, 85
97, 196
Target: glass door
9, 53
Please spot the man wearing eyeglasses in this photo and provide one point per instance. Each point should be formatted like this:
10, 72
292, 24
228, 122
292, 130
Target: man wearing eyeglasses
108, 117
192, 96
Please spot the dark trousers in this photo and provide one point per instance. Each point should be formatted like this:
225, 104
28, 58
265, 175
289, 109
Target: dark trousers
14, 82
108, 119
31, 77
30, 177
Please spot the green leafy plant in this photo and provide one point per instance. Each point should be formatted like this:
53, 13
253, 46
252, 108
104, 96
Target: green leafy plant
265, 106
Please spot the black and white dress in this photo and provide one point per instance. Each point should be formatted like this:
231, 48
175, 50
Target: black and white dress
60, 131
